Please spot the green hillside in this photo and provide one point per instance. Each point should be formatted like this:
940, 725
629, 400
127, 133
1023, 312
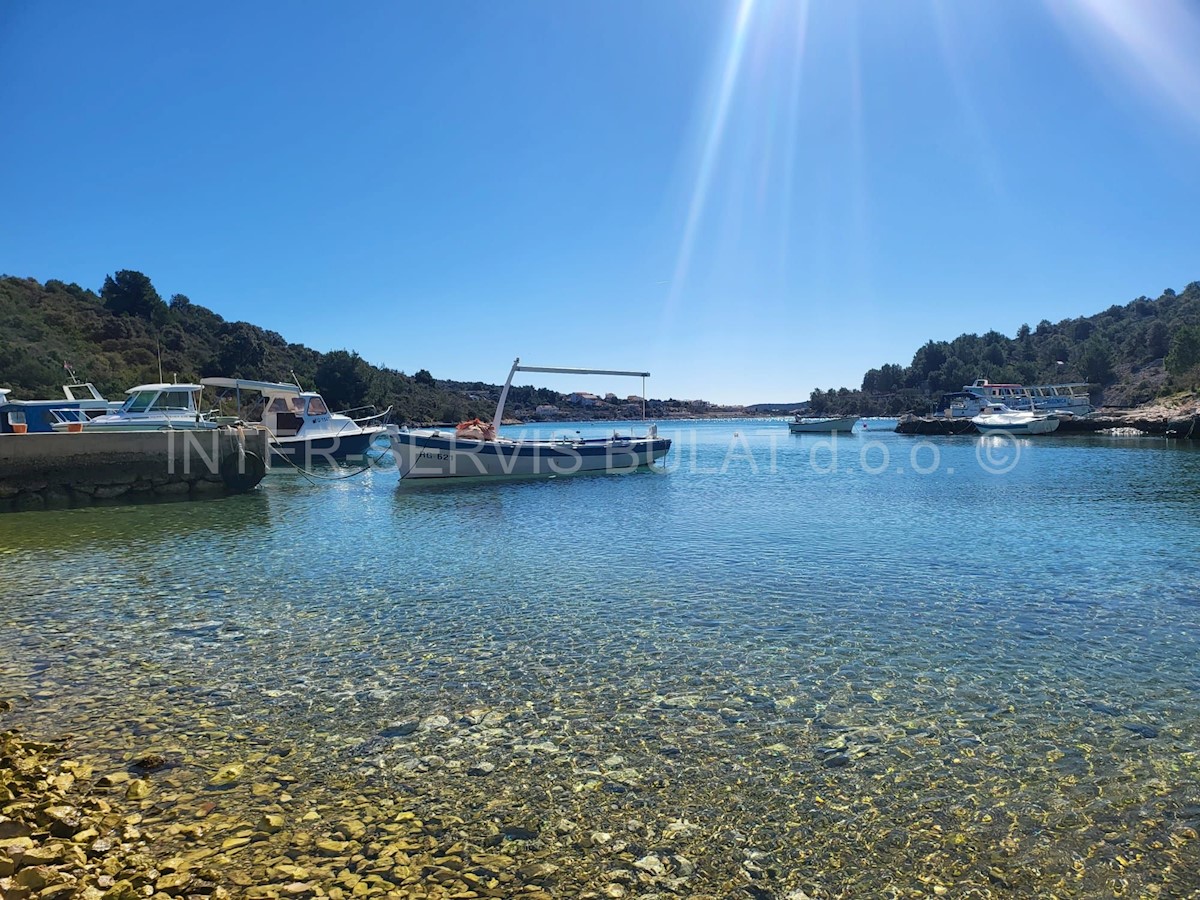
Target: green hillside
1130, 354
114, 339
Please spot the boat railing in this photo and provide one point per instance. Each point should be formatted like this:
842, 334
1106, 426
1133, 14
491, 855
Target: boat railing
69, 415
379, 418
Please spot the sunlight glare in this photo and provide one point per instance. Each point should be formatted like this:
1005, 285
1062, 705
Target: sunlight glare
714, 134
1155, 43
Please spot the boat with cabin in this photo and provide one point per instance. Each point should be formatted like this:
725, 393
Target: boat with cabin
147, 407
1062, 399
826, 425
475, 449
81, 400
303, 430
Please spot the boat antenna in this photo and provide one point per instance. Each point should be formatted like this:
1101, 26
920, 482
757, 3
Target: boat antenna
295, 380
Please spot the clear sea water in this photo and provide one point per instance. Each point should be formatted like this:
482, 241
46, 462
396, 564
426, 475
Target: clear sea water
888, 666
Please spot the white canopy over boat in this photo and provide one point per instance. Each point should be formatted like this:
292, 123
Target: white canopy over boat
245, 384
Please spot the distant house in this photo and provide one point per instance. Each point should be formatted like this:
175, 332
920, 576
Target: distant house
546, 411
582, 398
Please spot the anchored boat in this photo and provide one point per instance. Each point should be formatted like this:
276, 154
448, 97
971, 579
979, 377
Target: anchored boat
475, 450
840, 424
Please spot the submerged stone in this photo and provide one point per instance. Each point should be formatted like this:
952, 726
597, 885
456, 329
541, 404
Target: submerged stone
1143, 731
227, 774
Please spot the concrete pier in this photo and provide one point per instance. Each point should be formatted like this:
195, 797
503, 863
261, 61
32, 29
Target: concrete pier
40, 470
1187, 427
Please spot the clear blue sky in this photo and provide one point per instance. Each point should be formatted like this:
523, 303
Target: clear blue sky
749, 199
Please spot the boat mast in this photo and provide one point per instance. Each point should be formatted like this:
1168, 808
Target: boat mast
498, 419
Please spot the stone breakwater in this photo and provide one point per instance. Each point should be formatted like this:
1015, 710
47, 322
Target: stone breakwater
1184, 428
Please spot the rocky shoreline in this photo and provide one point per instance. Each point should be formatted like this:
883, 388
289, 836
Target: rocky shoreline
66, 833
73, 828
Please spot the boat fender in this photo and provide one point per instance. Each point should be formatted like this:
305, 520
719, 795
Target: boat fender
242, 471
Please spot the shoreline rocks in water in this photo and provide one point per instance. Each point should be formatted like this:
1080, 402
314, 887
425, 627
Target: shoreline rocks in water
64, 833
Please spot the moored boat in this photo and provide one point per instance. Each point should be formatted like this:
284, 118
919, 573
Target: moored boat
475, 449
80, 402
148, 407
960, 405
813, 425
1064, 399
303, 430
1000, 418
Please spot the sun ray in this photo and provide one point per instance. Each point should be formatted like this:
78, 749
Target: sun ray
792, 133
976, 127
714, 134
858, 156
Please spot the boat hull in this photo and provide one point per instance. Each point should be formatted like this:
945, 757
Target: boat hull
842, 425
321, 451
432, 455
96, 425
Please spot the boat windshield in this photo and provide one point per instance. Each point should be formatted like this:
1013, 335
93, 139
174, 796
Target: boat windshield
287, 404
317, 407
139, 402
173, 400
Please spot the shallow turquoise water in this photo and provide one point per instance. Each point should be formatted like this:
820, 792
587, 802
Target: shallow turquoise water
870, 666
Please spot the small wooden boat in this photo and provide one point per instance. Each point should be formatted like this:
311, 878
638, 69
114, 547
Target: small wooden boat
475, 450
840, 424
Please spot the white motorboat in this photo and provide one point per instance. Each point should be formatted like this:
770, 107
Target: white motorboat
303, 430
475, 450
149, 407
961, 405
839, 424
999, 418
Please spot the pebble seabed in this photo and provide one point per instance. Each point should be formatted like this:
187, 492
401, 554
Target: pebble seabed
712, 794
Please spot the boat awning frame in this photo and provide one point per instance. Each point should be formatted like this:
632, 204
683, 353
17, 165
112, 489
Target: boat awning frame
244, 384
